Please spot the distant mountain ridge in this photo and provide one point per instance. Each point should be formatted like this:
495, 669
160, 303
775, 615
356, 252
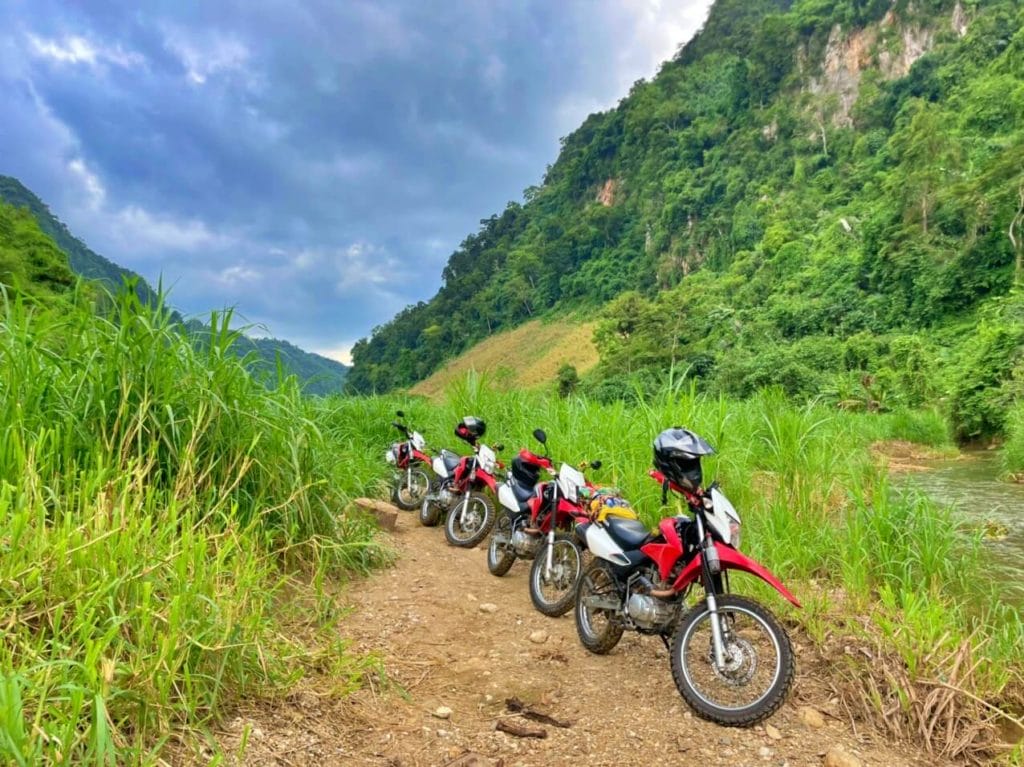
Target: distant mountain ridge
320, 375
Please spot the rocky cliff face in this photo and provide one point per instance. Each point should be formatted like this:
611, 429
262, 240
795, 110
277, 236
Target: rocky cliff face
891, 47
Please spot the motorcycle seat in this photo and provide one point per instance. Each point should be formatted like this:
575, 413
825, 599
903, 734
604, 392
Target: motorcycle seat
451, 460
628, 533
520, 491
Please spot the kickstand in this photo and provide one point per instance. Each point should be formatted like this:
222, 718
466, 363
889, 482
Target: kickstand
664, 639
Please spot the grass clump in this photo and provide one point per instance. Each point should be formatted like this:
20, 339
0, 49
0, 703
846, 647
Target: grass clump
152, 499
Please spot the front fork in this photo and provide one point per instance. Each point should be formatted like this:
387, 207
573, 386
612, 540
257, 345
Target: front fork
464, 508
711, 575
549, 553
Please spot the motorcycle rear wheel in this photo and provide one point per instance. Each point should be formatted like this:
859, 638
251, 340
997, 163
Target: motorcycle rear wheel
759, 661
408, 493
598, 628
500, 556
479, 519
555, 594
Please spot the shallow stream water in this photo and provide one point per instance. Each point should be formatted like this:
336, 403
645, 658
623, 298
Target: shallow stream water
972, 486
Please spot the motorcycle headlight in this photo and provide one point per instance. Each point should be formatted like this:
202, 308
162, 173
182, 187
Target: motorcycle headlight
734, 534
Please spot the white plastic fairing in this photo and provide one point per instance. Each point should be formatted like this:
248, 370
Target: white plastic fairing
507, 497
389, 456
570, 480
602, 545
417, 441
488, 459
723, 516
439, 468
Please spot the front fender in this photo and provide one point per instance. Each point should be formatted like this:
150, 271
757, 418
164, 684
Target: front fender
733, 560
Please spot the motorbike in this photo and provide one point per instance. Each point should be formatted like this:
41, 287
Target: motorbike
411, 482
732, 661
537, 523
460, 492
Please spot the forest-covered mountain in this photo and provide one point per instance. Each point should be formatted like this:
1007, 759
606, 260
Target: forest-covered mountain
824, 195
36, 250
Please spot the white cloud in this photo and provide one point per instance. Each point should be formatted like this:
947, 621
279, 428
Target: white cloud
658, 29
137, 230
342, 353
95, 192
203, 58
239, 274
74, 49
646, 34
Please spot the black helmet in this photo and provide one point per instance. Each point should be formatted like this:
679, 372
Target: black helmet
470, 429
677, 453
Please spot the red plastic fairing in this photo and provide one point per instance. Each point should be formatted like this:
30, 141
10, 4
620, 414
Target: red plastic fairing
665, 554
668, 529
534, 504
487, 480
422, 456
732, 560
536, 460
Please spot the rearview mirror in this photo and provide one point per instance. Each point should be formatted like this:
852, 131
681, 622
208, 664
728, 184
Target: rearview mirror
400, 413
540, 436
498, 447
595, 464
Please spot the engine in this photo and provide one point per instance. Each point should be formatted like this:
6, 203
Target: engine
525, 545
446, 499
649, 613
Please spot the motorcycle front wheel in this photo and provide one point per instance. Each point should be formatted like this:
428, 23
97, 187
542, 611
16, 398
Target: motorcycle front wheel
470, 521
500, 556
597, 605
410, 489
758, 666
553, 590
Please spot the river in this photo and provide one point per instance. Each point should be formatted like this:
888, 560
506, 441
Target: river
972, 486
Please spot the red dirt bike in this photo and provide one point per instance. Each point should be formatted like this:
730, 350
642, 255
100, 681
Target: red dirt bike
537, 523
411, 481
461, 489
732, 661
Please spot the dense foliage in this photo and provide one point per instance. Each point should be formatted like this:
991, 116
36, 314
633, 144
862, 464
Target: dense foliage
319, 375
789, 202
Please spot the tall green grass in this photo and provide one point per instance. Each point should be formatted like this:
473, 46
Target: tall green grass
154, 501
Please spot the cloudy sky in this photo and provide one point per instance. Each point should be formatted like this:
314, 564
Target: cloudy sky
312, 163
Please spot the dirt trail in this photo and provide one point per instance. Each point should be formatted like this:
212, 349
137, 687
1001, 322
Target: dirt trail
424, 619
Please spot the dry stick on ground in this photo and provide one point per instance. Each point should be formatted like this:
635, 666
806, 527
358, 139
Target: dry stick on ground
518, 707
520, 730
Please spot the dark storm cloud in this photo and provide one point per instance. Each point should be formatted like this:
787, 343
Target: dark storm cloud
312, 163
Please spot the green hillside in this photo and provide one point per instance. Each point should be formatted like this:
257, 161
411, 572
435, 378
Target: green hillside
816, 195
82, 259
31, 265
319, 375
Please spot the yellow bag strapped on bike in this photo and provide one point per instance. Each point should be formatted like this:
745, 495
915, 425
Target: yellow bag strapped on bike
607, 502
